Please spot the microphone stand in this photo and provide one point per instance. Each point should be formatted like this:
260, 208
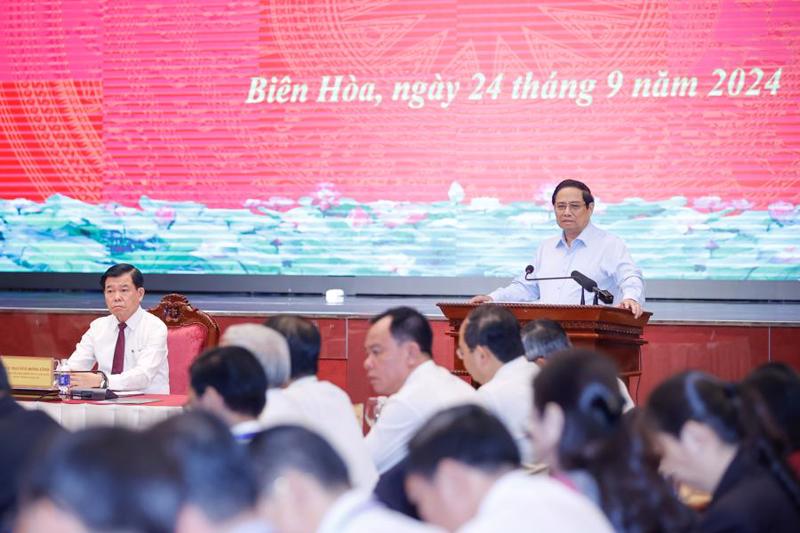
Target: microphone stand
583, 291
607, 298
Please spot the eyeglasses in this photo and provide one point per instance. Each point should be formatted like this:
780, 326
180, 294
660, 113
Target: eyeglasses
572, 206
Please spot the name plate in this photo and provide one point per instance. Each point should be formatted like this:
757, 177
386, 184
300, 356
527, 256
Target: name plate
29, 372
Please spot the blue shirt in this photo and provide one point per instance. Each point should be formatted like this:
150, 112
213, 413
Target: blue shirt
595, 253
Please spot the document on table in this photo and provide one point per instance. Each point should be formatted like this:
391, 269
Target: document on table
130, 401
122, 393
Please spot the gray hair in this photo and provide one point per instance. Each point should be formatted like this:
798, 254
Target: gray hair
543, 338
267, 345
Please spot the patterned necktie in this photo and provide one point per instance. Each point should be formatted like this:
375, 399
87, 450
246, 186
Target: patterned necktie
119, 351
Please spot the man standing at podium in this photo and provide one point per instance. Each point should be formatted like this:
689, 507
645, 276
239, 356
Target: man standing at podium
582, 246
129, 345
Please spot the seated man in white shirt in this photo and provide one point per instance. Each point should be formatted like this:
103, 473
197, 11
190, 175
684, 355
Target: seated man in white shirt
544, 338
399, 365
489, 343
320, 405
129, 345
463, 474
304, 486
230, 383
582, 246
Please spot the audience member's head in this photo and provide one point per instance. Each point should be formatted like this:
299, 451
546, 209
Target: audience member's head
453, 461
304, 343
702, 423
778, 384
488, 339
576, 403
299, 477
23, 432
398, 341
218, 483
267, 345
228, 382
578, 426
101, 479
543, 338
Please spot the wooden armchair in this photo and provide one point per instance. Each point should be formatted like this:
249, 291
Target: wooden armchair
190, 332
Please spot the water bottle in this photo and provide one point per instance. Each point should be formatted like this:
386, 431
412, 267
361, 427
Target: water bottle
63, 379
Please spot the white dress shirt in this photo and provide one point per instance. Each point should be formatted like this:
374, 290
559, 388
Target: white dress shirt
326, 409
595, 253
509, 395
520, 502
145, 365
428, 388
279, 409
358, 512
244, 432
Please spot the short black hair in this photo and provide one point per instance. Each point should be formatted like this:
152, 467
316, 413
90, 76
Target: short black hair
496, 328
236, 375
468, 434
290, 447
575, 184
304, 343
215, 470
109, 478
5, 384
543, 338
408, 324
120, 269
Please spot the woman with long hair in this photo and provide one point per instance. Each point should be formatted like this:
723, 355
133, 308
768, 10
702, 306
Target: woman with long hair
716, 437
580, 431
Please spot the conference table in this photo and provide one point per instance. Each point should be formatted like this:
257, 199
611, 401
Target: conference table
123, 412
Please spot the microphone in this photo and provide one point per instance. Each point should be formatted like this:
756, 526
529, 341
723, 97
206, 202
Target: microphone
528, 272
588, 284
584, 281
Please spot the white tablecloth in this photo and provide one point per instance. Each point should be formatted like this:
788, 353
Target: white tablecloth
75, 416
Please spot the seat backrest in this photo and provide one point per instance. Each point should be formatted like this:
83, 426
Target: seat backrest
189, 332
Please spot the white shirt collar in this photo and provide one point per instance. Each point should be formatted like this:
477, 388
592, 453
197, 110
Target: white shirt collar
246, 428
134, 320
512, 368
303, 381
494, 497
586, 237
420, 371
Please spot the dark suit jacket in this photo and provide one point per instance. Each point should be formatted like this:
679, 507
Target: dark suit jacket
22, 433
750, 499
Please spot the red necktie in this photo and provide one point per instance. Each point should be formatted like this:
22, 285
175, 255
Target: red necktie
119, 351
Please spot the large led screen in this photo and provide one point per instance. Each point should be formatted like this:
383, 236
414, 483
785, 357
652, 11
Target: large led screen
396, 137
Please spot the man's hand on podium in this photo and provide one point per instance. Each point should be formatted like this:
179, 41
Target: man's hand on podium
633, 306
481, 299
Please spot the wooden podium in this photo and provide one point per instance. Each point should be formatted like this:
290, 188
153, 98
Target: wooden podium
611, 330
